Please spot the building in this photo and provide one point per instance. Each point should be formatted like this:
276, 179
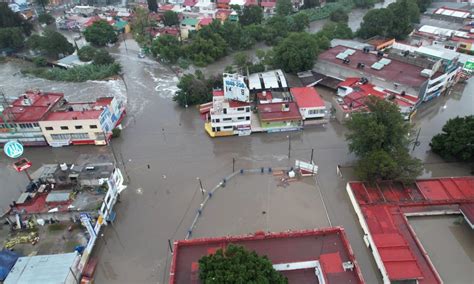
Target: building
353, 92
452, 15
82, 123
273, 80
382, 210
188, 25
227, 117
45, 269
398, 72
310, 104
19, 118
312, 256
278, 117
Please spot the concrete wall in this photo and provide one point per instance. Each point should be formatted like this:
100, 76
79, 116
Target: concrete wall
88, 132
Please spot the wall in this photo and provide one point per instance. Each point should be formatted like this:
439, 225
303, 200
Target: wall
320, 112
86, 133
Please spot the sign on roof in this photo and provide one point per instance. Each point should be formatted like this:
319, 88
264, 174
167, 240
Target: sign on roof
235, 88
13, 149
469, 65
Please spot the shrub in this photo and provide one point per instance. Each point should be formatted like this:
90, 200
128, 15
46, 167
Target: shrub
40, 61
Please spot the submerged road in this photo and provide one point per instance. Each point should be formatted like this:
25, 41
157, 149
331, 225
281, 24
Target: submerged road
171, 140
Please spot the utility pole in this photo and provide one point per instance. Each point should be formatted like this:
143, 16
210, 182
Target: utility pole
289, 146
233, 164
170, 246
312, 152
416, 143
200, 185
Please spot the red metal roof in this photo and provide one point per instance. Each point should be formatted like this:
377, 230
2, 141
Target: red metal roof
166, 7
205, 21
217, 93
268, 4
330, 246
307, 97
32, 106
274, 112
396, 71
234, 104
383, 207
190, 3
89, 110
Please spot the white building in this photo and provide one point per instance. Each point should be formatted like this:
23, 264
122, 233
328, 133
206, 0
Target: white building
228, 117
310, 104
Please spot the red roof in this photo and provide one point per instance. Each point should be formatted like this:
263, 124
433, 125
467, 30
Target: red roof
80, 111
268, 4
330, 246
223, 13
205, 21
32, 106
307, 97
235, 104
223, 1
166, 7
274, 112
251, 3
468, 211
268, 96
396, 71
217, 93
190, 3
383, 207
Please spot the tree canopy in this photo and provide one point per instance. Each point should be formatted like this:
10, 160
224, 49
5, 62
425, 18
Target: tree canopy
102, 57
167, 47
13, 28
284, 7
86, 53
42, 3
380, 139
308, 4
170, 18
456, 139
100, 33
11, 38
296, 53
235, 264
152, 5
46, 18
52, 43
251, 15
339, 15
194, 90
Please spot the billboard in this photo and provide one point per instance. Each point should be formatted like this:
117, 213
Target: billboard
235, 87
469, 65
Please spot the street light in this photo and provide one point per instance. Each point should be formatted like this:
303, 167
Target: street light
289, 145
200, 186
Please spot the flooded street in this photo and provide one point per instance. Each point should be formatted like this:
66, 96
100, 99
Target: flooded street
160, 201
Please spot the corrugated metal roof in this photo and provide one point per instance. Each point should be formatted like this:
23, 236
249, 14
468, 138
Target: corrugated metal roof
42, 269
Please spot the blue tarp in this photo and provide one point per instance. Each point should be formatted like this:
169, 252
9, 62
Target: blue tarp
7, 260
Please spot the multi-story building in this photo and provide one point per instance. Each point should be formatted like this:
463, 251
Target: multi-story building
309, 102
19, 119
82, 123
228, 117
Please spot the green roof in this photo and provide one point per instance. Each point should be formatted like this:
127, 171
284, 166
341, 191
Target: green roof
120, 24
190, 22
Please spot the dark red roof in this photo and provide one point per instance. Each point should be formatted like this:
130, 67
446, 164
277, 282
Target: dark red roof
330, 246
383, 207
268, 96
33, 111
268, 4
307, 97
251, 3
205, 21
90, 110
274, 112
234, 104
190, 3
218, 93
396, 71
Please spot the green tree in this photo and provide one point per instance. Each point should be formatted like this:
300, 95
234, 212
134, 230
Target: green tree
192, 91
51, 43
235, 264
405, 13
11, 38
100, 33
284, 7
86, 53
251, 15
241, 60
167, 47
276, 29
323, 42
339, 15
40, 61
308, 4
334, 30
364, 3
377, 22
456, 139
170, 18
102, 57
152, 5
42, 3
46, 18
207, 45
10, 19
380, 139
423, 5
296, 53
299, 22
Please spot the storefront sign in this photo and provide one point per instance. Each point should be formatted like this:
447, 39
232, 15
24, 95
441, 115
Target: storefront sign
13, 149
235, 88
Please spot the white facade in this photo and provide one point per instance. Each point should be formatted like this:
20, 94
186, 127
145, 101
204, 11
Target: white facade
224, 117
65, 132
313, 112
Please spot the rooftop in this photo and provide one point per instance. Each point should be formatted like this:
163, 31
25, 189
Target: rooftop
457, 13
190, 22
328, 246
206, 21
78, 111
274, 79
383, 208
32, 106
276, 111
307, 97
396, 71
43, 269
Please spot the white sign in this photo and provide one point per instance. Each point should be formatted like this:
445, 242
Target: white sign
235, 88
86, 221
13, 149
306, 167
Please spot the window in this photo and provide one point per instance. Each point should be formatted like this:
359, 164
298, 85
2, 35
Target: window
93, 126
227, 119
79, 136
247, 118
241, 118
241, 109
78, 126
227, 127
247, 109
64, 128
49, 128
225, 111
36, 124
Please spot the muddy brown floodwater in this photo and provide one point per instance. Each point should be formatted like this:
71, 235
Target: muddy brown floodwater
172, 141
